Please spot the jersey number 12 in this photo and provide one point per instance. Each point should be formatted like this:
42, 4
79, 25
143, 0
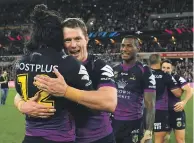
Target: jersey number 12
22, 80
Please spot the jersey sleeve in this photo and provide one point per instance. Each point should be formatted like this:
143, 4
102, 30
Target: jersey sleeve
148, 80
104, 74
77, 75
171, 82
181, 81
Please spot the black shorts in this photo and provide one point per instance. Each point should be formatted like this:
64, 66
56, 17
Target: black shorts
30, 139
108, 139
128, 131
161, 123
177, 120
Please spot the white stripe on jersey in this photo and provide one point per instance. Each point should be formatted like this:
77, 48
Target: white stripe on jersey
108, 71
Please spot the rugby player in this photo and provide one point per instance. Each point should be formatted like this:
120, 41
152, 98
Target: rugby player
164, 82
43, 56
135, 83
177, 117
92, 120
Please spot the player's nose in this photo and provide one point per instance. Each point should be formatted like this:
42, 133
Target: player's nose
73, 44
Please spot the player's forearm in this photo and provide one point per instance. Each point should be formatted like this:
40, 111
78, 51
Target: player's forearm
18, 101
105, 100
150, 110
150, 118
188, 93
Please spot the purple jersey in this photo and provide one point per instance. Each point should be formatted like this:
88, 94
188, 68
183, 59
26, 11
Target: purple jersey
172, 98
58, 127
92, 125
131, 83
164, 82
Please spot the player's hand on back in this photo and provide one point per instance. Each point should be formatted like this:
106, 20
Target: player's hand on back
55, 86
32, 108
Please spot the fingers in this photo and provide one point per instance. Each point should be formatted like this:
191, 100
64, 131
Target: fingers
43, 78
176, 104
178, 108
57, 73
42, 113
35, 98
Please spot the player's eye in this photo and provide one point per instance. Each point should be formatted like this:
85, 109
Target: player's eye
67, 40
122, 45
77, 38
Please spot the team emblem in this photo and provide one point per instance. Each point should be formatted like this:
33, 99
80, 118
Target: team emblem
179, 124
135, 138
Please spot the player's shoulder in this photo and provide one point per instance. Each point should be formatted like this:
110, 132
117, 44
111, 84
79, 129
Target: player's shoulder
100, 64
21, 60
143, 67
180, 79
68, 60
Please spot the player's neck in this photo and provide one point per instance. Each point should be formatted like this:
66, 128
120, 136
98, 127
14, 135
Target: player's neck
155, 66
85, 58
130, 62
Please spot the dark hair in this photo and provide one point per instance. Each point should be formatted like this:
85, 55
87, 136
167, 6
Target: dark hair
166, 61
135, 42
46, 29
75, 23
154, 59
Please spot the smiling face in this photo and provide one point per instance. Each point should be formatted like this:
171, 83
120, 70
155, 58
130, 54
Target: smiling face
128, 49
75, 43
167, 67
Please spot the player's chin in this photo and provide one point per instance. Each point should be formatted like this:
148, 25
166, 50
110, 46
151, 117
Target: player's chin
124, 57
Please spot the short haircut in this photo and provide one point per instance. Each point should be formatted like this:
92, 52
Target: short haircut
154, 59
75, 23
166, 61
135, 42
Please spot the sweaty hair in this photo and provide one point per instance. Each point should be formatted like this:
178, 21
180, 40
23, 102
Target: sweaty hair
135, 42
166, 61
46, 29
154, 59
75, 23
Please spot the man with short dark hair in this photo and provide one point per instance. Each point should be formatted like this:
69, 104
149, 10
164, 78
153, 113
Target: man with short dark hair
135, 84
177, 117
164, 82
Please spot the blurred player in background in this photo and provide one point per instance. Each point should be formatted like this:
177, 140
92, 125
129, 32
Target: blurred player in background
177, 115
4, 87
135, 84
164, 82
45, 55
93, 123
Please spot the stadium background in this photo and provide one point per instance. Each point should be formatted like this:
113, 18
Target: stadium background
165, 27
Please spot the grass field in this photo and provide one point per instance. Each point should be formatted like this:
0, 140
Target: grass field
12, 122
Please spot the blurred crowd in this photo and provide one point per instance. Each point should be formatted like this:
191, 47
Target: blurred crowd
101, 15
185, 69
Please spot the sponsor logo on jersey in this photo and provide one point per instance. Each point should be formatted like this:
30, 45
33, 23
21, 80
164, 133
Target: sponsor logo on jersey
36, 67
107, 71
84, 72
122, 84
152, 80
